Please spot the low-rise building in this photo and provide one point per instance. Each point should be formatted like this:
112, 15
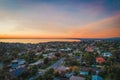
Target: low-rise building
89, 48
36, 63
107, 54
96, 77
76, 78
100, 60
60, 69
17, 67
85, 73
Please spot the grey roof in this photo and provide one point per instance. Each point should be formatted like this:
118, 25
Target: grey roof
76, 78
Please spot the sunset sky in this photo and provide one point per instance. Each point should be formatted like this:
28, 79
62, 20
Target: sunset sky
59, 18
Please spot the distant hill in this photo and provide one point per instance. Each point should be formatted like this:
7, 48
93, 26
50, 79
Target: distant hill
118, 39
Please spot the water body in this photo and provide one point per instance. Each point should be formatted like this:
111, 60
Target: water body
36, 40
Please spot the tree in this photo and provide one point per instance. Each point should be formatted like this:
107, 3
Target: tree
49, 74
57, 54
77, 54
31, 56
114, 73
41, 78
74, 63
46, 60
33, 70
75, 69
89, 58
50, 71
40, 56
57, 74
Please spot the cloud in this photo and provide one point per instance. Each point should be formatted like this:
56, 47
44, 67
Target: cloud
48, 20
109, 27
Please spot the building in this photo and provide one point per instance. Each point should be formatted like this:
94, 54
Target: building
70, 54
107, 54
45, 55
76, 78
1, 65
100, 60
83, 73
68, 75
60, 69
17, 67
36, 63
96, 77
17, 72
89, 48
17, 63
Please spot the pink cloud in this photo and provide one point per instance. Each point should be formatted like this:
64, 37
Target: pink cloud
109, 27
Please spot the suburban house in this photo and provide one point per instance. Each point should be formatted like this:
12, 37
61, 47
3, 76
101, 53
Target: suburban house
17, 63
77, 58
96, 77
83, 73
70, 54
17, 72
56, 79
36, 63
51, 49
17, 67
107, 54
60, 69
76, 51
51, 55
76, 78
100, 60
89, 48
65, 50
38, 53
1, 65
45, 55
68, 75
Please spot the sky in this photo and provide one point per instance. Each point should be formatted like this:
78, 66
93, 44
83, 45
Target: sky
59, 18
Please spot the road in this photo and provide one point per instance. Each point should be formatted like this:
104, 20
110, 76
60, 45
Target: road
42, 72
57, 64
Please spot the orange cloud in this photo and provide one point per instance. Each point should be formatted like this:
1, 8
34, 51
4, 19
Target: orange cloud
109, 27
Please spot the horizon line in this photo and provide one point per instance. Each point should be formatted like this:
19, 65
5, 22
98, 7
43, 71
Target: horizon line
60, 38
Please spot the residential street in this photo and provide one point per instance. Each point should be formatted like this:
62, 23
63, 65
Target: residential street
55, 65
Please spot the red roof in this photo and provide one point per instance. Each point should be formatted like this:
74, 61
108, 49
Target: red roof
90, 48
100, 60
